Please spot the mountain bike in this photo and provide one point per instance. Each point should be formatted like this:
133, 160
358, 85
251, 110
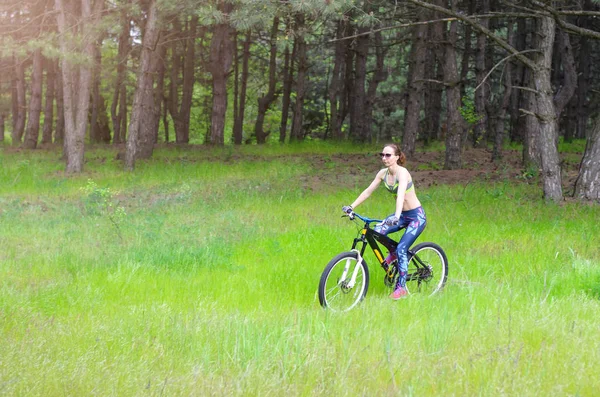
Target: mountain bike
345, 280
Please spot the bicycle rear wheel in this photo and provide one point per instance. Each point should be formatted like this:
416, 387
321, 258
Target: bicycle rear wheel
427, 269
344, 282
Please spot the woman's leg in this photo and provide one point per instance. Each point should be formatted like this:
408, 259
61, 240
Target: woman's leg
384, 229
388, 230
415, 222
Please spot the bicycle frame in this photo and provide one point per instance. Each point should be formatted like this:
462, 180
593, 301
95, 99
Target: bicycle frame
373, 238
345, 280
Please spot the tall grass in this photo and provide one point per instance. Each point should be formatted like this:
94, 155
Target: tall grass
211, 288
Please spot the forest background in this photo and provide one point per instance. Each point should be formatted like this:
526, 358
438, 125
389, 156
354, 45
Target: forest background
171, 176
466, 73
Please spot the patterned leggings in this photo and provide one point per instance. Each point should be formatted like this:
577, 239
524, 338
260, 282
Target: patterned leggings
414, 221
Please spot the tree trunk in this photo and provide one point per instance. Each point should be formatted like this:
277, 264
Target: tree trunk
336, 80
140, 140
238, 122
453, 102
546, 111
123, 114
237, 134
49, 105
297, 132
358, 119
32, 133
346, 97
519, 98
219, 109
2, 109
481, 95
175, 79
102, 121
379, 75
266, 100
288, 67
530, 127
180, 112
141, 137
221, 57
583, 87
569, 85
77, 81
433, 126
568, 122
2, 125
14, 95
433, 91
446, 53
586, 47
465, 65
565, 98
19, 104
414, 92
587, 185
118, 107
188, 82
159, 95
500, 122
95, 134
59, 134
165, 120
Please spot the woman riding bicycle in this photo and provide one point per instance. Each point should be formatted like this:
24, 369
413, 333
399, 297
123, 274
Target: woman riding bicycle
409, 214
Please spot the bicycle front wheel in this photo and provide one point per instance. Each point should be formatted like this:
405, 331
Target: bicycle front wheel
427, 269
344, 282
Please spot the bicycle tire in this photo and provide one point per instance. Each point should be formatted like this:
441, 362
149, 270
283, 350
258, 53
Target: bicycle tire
335, 293
427, 269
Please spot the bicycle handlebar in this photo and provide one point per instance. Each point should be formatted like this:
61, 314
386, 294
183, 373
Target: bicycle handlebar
353, 214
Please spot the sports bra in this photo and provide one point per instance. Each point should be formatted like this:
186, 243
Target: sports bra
394, 188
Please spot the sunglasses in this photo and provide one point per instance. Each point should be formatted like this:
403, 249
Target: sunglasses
387, 155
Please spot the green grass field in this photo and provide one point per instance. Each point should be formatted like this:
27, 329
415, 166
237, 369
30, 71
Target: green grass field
197, 274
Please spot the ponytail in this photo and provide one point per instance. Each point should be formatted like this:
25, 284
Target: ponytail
397, 152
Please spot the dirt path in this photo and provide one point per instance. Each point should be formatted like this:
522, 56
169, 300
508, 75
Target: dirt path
426, 169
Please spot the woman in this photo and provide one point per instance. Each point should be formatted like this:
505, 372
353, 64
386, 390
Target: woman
409, 212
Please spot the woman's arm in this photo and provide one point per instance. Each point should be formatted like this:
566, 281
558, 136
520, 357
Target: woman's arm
402, 183
367, 192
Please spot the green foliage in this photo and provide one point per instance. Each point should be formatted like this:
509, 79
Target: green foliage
212, 287
431, 166
530, 172
100, 201
577, 146
172, 7
367, 20
252, 14
468, 112
319, 8
209, 14
5, 99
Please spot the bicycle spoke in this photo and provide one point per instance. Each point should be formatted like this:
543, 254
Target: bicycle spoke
333, 289
333, 297
428, 269
342, 271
